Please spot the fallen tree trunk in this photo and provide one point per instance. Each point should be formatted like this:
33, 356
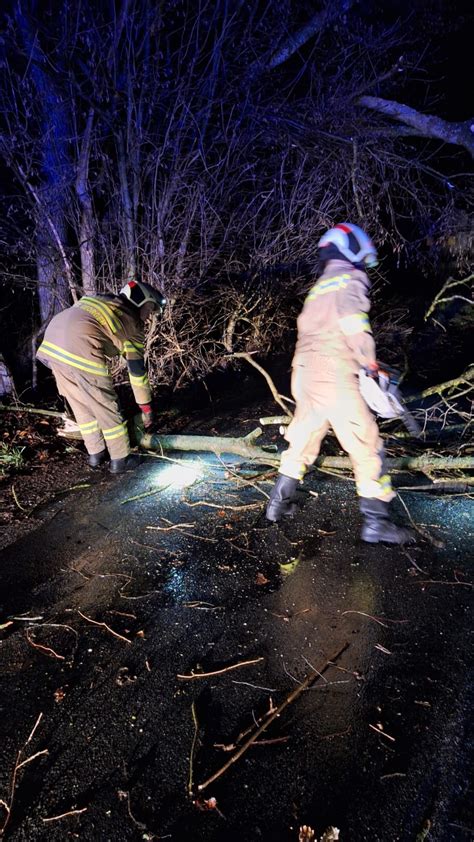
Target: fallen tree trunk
244, 446
408, 463
247, 448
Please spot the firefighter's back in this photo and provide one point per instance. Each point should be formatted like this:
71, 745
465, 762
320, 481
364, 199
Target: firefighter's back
75, 333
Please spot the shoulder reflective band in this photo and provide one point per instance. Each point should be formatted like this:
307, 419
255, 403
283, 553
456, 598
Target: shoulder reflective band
328, 285
357, 323
55, 352
101, 312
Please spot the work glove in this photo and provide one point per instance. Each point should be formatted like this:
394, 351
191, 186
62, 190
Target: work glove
372, 370
148, 418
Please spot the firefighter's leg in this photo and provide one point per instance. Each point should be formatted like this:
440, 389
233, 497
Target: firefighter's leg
304, 434
104, 405
78, 400
308, 426
357, 431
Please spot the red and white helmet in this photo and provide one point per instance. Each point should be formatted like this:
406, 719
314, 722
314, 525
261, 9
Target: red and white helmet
139, 293
351, 242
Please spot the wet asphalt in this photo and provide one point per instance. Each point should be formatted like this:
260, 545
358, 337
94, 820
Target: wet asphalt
379, 746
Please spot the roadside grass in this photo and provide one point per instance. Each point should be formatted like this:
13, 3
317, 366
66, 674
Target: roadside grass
11, 459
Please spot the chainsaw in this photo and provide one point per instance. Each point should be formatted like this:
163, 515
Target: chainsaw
382, 394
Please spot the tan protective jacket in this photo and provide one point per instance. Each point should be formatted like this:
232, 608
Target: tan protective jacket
95, 328
334, 331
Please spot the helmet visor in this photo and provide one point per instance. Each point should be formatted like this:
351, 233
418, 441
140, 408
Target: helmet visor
370, 260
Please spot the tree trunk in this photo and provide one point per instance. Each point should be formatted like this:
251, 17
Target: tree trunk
54, 276
129, 263
86, 222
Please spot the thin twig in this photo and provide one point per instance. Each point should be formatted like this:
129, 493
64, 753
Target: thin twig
194, 675
270, 742
33, 757
193, 748
18, 764
242, 479
26, 619
412, 561
145, 494
277, 397
46, 649
105, 626
17, 500
382, 733
199, 537
63, 815
376, 619
442, 582
173, 526
423, 532
255, 686
222, 505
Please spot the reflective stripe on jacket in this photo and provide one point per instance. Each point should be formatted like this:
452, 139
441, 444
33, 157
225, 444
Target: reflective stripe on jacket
95, 328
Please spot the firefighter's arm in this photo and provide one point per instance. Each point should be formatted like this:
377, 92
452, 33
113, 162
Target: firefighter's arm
133, 351
353, 309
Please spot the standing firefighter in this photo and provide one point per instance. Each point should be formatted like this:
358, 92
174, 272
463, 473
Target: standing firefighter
75, 346
334, 342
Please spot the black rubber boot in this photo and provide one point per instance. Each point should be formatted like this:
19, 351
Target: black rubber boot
94, 460
281, 502
127, 463
377, 526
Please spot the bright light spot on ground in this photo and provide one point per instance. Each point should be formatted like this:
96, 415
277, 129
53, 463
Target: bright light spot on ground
179, 476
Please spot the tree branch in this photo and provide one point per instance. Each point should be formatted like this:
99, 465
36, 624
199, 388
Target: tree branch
425, 125
318, 23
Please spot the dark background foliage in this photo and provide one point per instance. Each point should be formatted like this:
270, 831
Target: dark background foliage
208, 145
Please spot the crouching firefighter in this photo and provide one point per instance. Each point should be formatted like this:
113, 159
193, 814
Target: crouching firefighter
76, 344
334, 342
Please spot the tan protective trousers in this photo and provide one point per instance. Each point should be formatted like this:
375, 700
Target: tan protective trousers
337, 403
93, 401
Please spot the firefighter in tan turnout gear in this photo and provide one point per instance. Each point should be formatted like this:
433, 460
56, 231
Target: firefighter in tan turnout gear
334, 342
76, 344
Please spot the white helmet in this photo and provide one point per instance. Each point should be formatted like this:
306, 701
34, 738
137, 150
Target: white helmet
139, 293
351, 242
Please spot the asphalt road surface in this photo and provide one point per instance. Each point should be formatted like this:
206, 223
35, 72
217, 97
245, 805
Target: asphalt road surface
107, 602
